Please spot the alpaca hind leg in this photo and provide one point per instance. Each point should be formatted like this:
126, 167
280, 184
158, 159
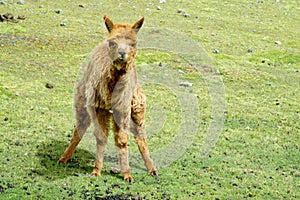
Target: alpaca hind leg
83, 121
101, 135
140, 139
71, 148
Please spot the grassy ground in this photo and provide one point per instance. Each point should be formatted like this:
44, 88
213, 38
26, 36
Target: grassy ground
257, 154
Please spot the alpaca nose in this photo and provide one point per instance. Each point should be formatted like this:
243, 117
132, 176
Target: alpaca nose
122, 54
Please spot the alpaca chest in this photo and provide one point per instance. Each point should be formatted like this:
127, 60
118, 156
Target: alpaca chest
114, 94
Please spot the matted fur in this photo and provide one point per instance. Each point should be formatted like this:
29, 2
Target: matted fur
110, 83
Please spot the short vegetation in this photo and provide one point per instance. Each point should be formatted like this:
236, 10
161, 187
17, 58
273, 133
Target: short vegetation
253, 48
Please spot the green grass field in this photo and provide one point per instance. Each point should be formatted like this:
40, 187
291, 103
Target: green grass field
250, 47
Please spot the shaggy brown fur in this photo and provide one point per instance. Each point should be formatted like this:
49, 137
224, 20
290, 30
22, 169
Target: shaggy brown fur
110, 83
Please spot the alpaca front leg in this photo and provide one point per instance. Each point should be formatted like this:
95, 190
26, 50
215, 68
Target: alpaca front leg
101, 145
124, 161
121, 142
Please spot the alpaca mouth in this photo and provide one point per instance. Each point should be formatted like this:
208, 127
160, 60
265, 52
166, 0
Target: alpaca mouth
122, 58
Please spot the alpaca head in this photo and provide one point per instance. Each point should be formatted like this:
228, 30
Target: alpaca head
122, 40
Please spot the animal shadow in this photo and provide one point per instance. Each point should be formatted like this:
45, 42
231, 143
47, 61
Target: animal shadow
48, 168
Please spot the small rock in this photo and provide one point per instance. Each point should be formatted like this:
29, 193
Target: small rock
278, 42
115, 170
213, 34
136, 197
186, 15
59, 11
234, 184
63, 24
265, 38
5, 119
161, 64
50, 128
21, 17
269, 83
265, 60
249, 51
181, 72
162, 1
108, 191
180, 11
81, 6
186, 84
2, 189
21, 2
115, 185
216, 51
158, 8
8, 16
2, 19
71, 193
49, 85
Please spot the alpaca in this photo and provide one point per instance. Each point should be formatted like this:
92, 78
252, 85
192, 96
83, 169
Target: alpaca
109, 87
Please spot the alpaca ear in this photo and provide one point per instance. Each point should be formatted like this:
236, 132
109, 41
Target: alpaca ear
136, 27
108, 23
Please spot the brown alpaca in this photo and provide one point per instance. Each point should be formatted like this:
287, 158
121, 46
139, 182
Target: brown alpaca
109, 86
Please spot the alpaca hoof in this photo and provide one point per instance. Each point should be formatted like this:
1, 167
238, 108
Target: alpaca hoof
154, 173
115, 170
61, 161
128, 179
95, 174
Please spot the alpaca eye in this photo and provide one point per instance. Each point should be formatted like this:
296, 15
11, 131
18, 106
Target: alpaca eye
112, 44
133, 45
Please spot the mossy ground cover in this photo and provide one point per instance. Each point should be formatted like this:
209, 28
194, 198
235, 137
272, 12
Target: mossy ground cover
256, 45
